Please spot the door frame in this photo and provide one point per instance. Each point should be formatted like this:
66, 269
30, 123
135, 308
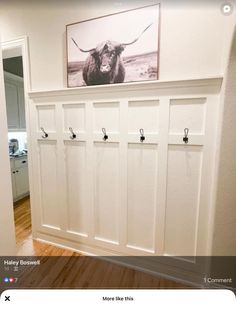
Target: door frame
21, 45
7, 230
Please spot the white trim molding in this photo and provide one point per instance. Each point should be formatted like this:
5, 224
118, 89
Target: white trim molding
203, 85
20, 47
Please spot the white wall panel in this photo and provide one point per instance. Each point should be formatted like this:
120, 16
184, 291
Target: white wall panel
76, 187
187, 113
182, 201
106, 198
50, 198
74, 117
143, 114
142, 196
46, 117
106, 115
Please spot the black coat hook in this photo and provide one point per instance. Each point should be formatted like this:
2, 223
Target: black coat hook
45, 134
73, 135
105, 137
185, 138
142, 137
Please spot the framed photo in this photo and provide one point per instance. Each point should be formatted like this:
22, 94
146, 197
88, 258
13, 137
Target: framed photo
117, 48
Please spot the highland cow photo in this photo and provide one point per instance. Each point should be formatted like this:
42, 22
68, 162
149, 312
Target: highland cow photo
117, 48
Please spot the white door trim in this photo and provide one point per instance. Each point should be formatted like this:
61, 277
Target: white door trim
21, 45
7, 230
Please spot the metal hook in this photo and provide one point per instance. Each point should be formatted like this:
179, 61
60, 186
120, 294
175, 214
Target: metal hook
185, 138
142, 137
105, 137
73, 135
45, 134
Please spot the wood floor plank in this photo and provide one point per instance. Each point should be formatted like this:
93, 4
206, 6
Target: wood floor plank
83, 272
26, 246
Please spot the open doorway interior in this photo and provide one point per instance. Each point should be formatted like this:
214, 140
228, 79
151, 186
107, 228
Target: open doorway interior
17, 84
17, 142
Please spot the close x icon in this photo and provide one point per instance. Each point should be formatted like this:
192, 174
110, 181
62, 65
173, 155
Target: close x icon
7, 298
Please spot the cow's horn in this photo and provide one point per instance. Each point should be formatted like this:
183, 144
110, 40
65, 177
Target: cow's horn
136, 39
80, 48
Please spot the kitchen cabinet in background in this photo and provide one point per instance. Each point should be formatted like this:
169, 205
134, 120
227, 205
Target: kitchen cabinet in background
14, 89
20, 179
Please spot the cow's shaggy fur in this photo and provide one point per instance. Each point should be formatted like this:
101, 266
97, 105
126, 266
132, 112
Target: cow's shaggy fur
105, 54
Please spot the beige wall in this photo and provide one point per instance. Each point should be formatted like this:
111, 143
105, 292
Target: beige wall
195, 36
224, 240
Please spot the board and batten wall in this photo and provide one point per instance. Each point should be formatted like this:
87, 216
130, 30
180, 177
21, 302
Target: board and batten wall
194, 42
124, 196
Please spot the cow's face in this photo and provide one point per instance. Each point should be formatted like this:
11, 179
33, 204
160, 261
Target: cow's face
106, 56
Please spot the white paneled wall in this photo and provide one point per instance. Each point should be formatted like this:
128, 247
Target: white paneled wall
182, 199
142, 196
48, 183
75, 163
124, 195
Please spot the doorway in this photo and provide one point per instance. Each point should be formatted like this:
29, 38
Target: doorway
16, 81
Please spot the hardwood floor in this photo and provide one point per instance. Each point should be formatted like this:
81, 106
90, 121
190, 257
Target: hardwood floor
26, 246
61, 268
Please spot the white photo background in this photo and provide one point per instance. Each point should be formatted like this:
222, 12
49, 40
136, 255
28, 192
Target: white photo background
140, 59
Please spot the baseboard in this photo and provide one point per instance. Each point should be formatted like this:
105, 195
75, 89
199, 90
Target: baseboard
20, 198
139, 263
81, 248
